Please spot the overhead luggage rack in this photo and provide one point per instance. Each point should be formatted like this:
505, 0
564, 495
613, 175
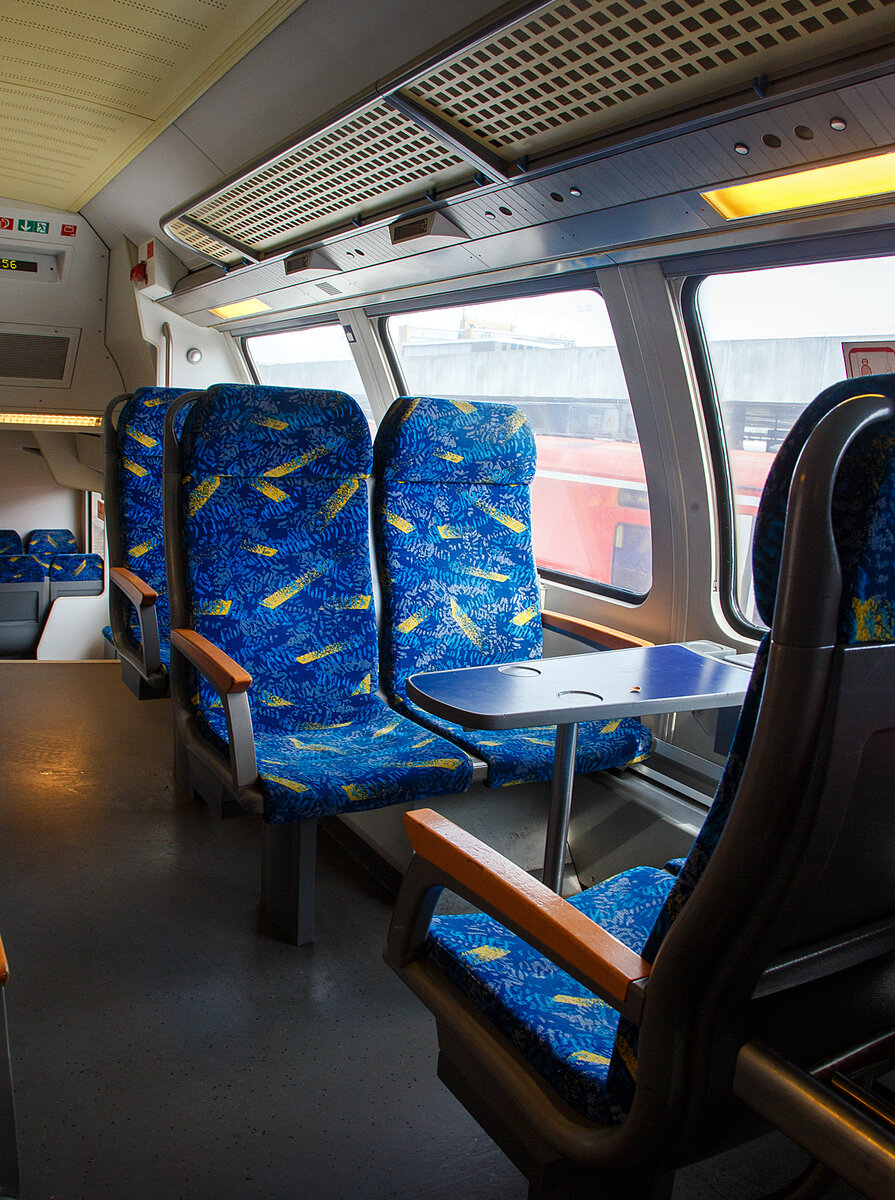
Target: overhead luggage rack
542, 82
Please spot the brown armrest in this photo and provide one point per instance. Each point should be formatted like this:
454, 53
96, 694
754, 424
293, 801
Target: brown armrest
509, 890
138, 592
589, 631
225, 674
4, 966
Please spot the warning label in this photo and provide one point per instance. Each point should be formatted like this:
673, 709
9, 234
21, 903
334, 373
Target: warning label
69, 230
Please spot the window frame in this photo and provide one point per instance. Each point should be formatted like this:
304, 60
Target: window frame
280, 327
573, 282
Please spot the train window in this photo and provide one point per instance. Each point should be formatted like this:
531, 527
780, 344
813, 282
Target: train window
316, 357
554, 355
773, 339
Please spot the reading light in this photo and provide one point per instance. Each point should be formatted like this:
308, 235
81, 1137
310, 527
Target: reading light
50, 419
803, 189
243, 308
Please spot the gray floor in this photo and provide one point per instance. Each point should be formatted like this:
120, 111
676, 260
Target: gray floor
164, 1044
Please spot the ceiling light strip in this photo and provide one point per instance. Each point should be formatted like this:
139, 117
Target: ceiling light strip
80, 422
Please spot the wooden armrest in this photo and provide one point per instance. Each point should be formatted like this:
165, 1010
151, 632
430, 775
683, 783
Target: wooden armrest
4, 966
221, 671
138, 592
589, 631
508, 889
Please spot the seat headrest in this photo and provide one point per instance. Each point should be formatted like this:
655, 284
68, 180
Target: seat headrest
51, 541
427, 440
10, 542
21, 568
240, 430
70, 567
141, 423
863, 513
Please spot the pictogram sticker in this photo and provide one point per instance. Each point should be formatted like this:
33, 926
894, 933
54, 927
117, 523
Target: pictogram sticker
69, 230
7, 223
33, 226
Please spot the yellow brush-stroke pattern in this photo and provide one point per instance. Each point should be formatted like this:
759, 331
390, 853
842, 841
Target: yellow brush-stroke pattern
526, 615
338, 500
611, 726
203, 494
411, 409
468, 626
292, 589
449, 531
317, 746
346, 603
641, 757
503, 518
296, 464
448, 764
143, 438
486, 953
289, 783
873, 619
315, 726
463, 406
143, 548
267, 551
356, 794
269, 423
628, 1057
449, 456
512, 424
152, 403
537, 741
424, 742
217, 702
269, 490
364, 687
134, 468
412, 621
324, 652
399, 523
386, 729
274, 701
578, 1001
589, 1056
496, 576
81, 567
214, 608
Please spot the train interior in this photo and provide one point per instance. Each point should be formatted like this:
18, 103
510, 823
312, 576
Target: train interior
657, 230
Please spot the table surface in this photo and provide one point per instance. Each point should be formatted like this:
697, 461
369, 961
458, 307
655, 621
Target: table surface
580, 687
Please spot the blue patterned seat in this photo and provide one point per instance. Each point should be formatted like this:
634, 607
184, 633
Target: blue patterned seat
787, 886
275, 568
76, 575
45, 543
133, 492
452, 522
10, 542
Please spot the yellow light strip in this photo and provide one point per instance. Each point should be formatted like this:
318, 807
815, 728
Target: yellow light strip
50, 419
803, 189
244, 308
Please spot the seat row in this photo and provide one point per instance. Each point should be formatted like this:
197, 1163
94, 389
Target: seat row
266, 569
35, 574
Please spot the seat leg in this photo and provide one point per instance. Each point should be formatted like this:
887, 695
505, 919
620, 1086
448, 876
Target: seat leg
9, 1153
287, 878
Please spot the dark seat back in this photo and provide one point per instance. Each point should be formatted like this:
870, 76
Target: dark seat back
24, 596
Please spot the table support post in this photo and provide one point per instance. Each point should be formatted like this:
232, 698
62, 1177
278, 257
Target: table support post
560, 805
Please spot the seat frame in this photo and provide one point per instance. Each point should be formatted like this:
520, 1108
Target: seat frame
746, 957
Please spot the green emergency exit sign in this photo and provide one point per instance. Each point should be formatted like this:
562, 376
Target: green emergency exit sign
33, 226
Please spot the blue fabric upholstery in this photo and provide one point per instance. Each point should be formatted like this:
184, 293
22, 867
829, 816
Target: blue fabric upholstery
141, 425
564, 1030
863, 519
72, 568
277, 556
44, 543
10, 542
21, 568
452, 521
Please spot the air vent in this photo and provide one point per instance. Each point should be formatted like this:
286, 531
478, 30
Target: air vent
583, 66
426, 232
31, 356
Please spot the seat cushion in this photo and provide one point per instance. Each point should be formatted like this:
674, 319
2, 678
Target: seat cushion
564, 1030
376, 758
526, 755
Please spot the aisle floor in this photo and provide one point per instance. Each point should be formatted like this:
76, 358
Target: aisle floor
164, 1042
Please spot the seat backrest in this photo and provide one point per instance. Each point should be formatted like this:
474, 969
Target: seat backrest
71, 574
21, 568
793, 862
47, 542
24, 592
452, 522
10, 542
134, 449
269, 548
